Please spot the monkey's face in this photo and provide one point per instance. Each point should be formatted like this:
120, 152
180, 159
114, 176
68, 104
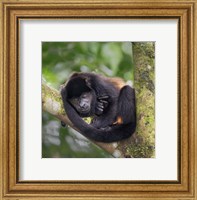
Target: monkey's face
83, 104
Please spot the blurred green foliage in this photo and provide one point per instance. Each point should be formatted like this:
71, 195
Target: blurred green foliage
59, 61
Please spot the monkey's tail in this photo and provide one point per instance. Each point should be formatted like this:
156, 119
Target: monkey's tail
116, 133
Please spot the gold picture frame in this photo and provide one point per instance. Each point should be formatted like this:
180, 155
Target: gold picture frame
12, 11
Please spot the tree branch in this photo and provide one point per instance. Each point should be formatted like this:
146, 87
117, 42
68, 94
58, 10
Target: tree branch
52, 103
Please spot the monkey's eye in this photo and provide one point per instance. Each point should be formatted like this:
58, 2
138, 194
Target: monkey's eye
84, 96
74, 101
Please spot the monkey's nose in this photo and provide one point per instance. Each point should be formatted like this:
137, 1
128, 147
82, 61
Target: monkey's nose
84, 106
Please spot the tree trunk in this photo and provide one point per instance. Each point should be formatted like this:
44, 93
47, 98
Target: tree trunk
142, 143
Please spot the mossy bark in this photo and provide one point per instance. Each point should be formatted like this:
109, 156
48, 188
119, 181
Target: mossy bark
143, 141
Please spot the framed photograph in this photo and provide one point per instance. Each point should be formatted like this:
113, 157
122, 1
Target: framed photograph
98, 99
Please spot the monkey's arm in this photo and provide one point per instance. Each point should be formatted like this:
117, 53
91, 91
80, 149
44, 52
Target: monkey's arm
126, 106
101, 95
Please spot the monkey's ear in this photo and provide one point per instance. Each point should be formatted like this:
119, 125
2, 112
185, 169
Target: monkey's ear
62, 87
87, 80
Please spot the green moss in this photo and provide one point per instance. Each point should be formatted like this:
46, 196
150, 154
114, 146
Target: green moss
143, 150
143, 142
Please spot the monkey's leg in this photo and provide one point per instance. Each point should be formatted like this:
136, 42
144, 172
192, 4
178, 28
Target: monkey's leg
126, 106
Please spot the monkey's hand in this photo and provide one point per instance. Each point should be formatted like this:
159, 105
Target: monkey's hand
102, 103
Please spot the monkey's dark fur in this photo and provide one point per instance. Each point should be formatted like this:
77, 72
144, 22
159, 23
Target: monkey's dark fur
112, 106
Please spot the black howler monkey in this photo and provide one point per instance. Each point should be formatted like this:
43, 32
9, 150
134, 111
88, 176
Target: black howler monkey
109, 101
